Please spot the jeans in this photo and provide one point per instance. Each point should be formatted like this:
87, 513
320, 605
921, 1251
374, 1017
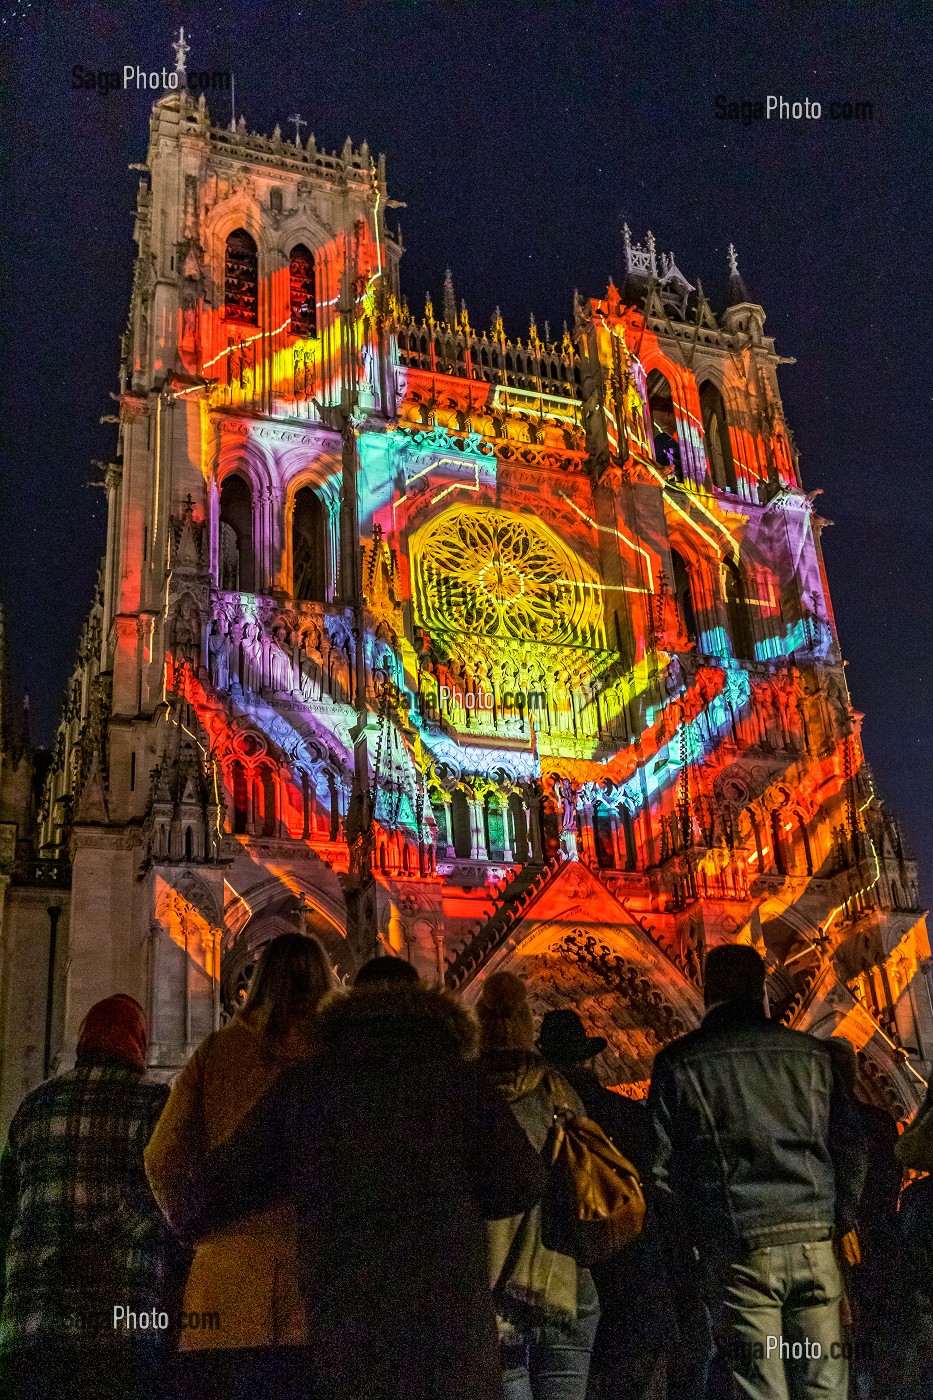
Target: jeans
554, 1364
778, 1315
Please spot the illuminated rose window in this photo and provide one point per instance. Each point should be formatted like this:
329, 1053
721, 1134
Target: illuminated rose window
486, 572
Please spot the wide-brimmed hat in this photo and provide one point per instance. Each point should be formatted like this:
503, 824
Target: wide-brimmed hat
564, 1041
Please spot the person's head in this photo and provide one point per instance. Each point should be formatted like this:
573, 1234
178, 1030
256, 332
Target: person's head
845, 1061
115, 1028
734, 972
505, 1021
292, 977
385, 969
564, 1041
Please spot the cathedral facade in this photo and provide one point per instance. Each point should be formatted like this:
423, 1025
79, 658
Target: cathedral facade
486, 652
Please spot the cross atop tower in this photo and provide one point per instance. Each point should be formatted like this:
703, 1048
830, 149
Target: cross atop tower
181, 52
299, 122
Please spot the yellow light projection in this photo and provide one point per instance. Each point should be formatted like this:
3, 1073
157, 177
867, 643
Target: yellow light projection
484, 571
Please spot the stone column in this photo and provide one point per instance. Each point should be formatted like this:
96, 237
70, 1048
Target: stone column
449, 850
477, 830
213, 529
617, 840
588, 834
535, 834
508, 848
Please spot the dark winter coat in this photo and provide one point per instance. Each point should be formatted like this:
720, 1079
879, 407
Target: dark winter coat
623, 1120
534, 1272
395, 1152
756, 1140
79, 1229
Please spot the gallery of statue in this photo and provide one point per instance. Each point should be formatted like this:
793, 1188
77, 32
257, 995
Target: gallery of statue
491, 652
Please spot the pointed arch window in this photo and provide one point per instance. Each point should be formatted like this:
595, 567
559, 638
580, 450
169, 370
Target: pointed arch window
309, 547
778, 849
716, 437
740, 624
494, 821
628, 841
602, 835
682, 594
805, 844
302, 291
236, 566
241, 278
239, 792
269, 815
519, 826
664, 422
460, 820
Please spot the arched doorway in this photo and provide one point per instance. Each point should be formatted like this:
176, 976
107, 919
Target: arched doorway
623, 986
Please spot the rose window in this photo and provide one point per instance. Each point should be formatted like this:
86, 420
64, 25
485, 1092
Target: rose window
486, 572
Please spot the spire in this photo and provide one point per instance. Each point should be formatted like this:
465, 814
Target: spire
182, 49
450, 300
738, 292
498, 329
25, 736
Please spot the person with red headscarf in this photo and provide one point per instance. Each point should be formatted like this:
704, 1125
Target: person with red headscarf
80, 1234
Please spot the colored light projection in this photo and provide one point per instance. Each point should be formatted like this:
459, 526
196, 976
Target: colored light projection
566, 605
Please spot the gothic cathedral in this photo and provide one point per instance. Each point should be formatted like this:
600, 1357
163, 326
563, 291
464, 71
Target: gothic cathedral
487, 652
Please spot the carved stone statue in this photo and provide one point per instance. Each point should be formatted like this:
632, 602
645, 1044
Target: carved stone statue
280, 661
219, 657
186, 634
568, 804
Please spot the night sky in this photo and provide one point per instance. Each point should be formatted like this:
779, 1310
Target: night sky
520, 136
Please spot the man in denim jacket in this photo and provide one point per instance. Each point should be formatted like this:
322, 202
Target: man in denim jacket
758, 1167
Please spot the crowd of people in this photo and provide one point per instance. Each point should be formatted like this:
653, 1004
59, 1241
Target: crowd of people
353, 1194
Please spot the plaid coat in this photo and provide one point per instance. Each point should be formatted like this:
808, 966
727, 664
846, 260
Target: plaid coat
79, 1229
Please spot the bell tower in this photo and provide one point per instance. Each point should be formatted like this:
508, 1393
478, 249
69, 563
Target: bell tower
253, 351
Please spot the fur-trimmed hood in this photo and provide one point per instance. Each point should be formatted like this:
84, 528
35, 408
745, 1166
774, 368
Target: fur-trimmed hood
398, 1012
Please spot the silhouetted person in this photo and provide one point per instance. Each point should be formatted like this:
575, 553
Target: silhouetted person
873, 1284
546, 1302
635, 1310
914, 1338
564, 1043
243, 1281
385, 969
758, 1168
395, 1152
80, 1232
